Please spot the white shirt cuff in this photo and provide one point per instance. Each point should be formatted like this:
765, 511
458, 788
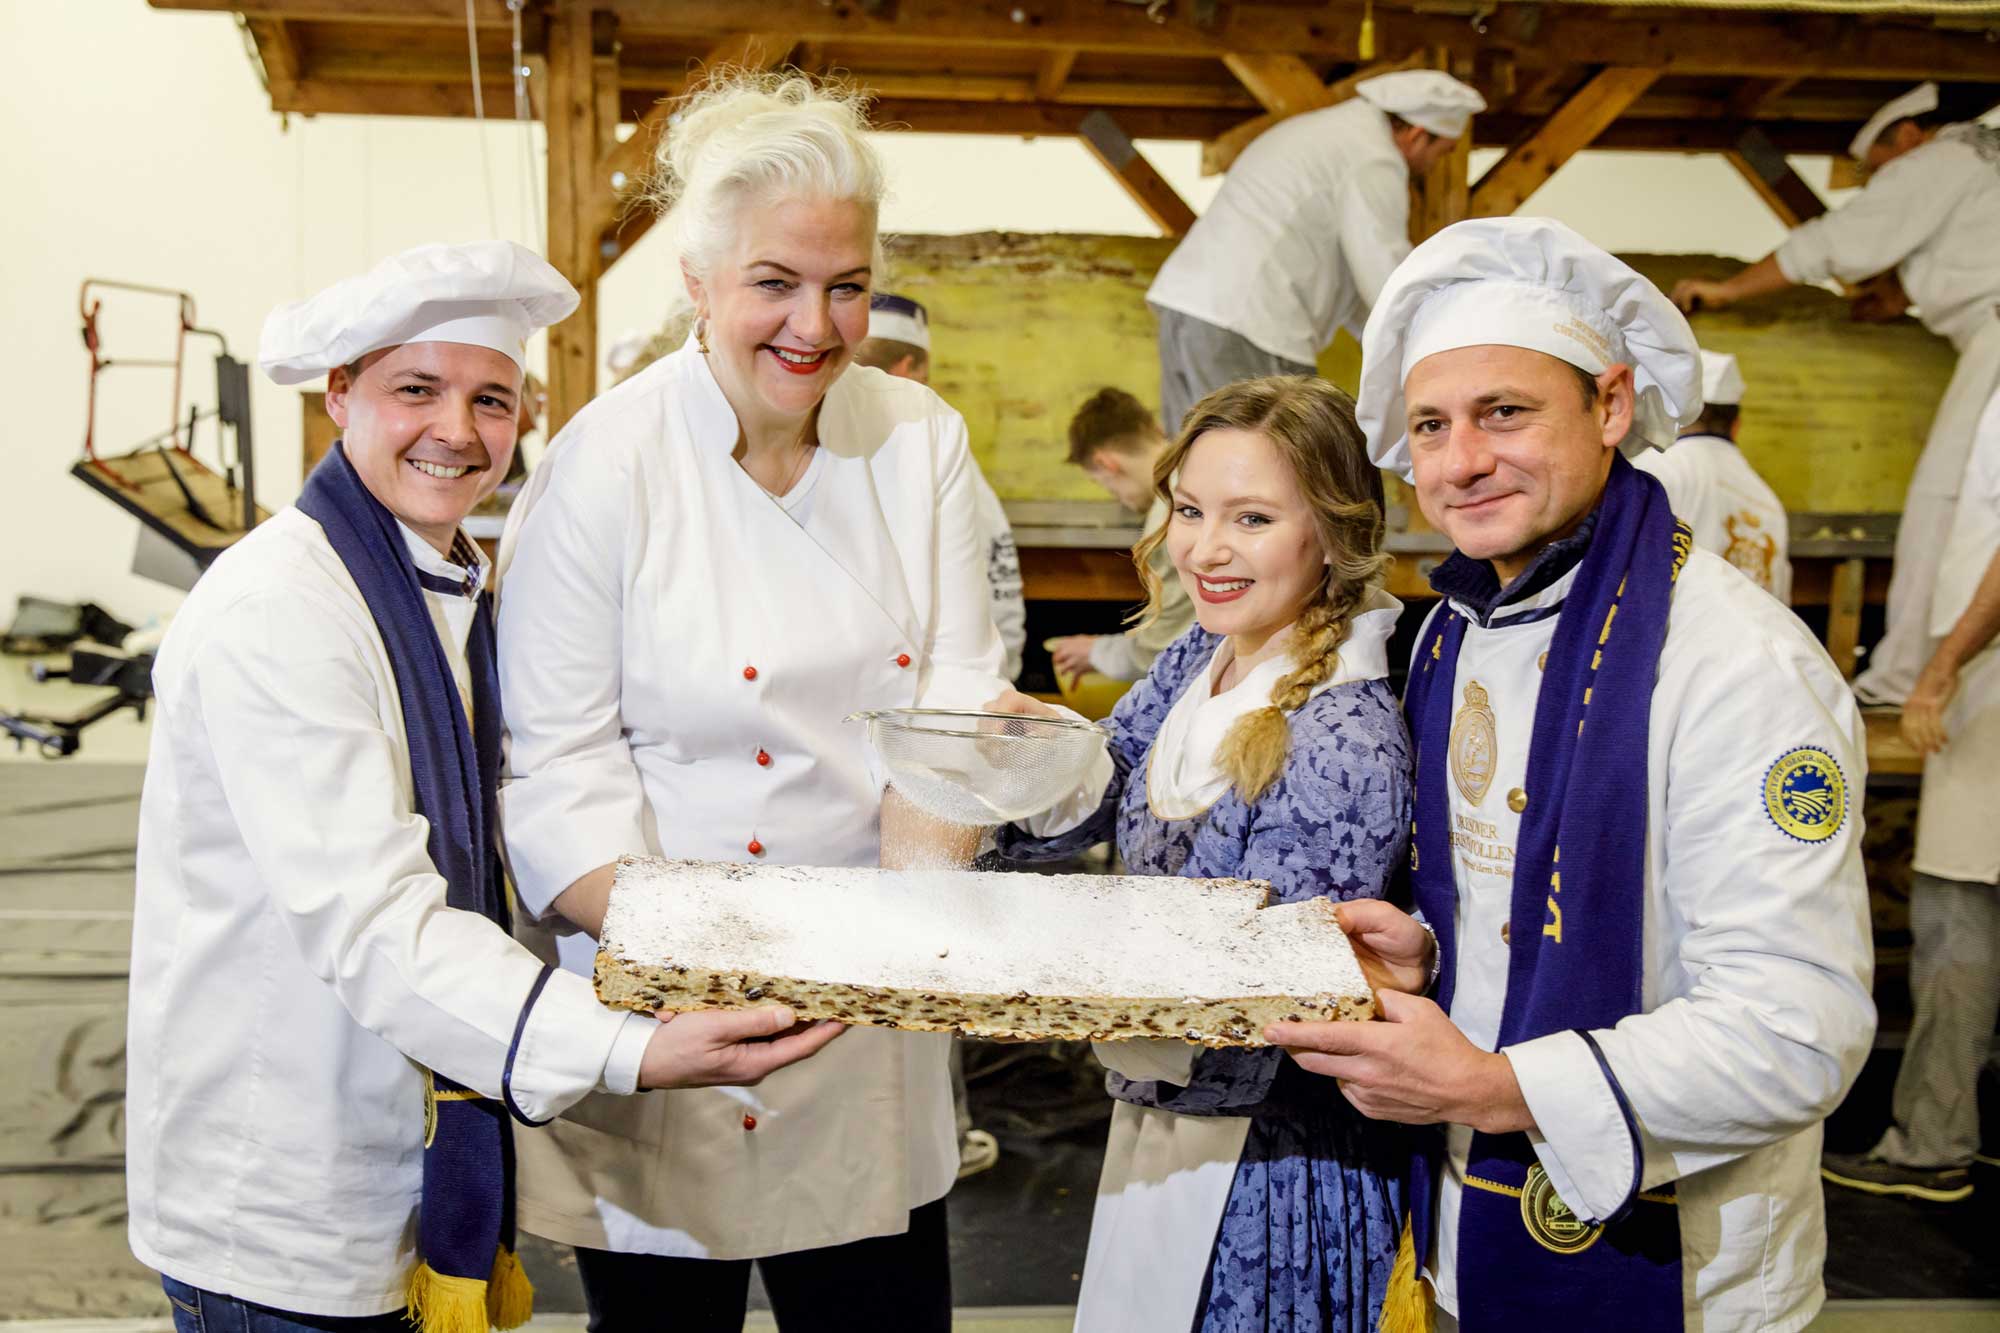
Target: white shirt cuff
1148, 1059
1795, 263
1082, 802
566, 1047
628, 1051
1580, 1134
1111, 655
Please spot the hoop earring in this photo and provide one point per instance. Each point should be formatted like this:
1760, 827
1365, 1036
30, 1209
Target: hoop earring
701, 335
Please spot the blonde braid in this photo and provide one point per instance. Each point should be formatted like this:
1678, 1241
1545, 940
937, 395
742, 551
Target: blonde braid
1254, 751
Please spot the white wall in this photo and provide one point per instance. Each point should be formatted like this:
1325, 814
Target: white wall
140, 146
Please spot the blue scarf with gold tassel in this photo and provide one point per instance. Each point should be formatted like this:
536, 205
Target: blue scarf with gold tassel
1576, 926
467, 1277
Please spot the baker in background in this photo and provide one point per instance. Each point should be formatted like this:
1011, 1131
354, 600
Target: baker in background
1637, 833
1118, 442
1296, 245
1930, 213
716, 562
1714, 490
1953, 718
899, 342
330, 1027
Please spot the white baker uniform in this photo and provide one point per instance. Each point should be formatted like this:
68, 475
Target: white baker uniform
1932, 215
677, 652
1307, 226
1003, 574
1733, 511
294, 966
1167, 1176
1757, 950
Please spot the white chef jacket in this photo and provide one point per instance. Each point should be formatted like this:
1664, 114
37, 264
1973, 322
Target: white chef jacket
1758, 957
1932, 215
1733, 511
294, 966
1308, 225
1003, 574
677, 653
1957, 835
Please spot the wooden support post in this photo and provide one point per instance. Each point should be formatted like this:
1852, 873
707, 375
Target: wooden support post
1218, 153
1529, 163
571, 120
1054, 72
1783, 190
1843, 614
1109, 144
278, 51
1441, 196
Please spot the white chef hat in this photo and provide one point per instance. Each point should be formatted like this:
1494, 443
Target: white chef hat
1920, 100
1721, 381
489, 294
1430, 99
900, 319
1533, 283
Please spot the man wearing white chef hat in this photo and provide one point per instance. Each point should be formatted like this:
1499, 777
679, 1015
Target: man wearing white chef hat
1298, 242
330, 1026
1637, 831
1714, 490
1929, 216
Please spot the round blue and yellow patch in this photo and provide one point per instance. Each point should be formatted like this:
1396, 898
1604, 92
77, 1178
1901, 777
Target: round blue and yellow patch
1805, 794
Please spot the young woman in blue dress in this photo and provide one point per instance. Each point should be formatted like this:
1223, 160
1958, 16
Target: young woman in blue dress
1239, 1195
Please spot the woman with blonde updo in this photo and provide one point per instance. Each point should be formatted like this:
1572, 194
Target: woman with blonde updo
715, 563
1238, 1194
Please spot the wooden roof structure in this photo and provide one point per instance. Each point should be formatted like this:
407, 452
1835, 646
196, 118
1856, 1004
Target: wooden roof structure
1751, 79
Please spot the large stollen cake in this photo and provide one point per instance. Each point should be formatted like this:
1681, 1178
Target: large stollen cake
1036, 957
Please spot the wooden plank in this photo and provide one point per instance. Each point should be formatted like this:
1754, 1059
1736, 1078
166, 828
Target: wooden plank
1676, 40
1765, 169
1054, 72
1109, 144
1283, 84
1021, 89
1529, 163
1072, 574
571, 119
1753, 94
1221, 151
1843, 614
278, 52
1442, 195
1888, 752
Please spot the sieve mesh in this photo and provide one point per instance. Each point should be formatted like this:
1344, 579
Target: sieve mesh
968, 767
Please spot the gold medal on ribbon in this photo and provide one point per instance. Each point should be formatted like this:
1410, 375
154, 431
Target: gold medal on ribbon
1474, 745
1550, 1221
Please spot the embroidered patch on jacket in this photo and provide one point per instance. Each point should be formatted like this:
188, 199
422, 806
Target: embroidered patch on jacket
1805, 794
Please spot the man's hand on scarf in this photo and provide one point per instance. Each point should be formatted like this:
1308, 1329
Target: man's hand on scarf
1415, 1067
728, 1048
1394, 950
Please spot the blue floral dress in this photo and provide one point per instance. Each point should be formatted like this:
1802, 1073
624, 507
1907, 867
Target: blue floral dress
1308, 1235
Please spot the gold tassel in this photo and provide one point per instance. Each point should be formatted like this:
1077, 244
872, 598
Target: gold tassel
510, 1297
1406, 1307
440, 1304
1367, 43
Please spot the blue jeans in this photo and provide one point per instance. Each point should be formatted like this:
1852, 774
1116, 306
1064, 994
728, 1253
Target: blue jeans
198, 1311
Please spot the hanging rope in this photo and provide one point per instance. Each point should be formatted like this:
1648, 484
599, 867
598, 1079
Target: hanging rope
479, 117
524, 115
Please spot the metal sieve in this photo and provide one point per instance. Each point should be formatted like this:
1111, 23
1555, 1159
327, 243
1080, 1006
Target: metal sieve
969, 767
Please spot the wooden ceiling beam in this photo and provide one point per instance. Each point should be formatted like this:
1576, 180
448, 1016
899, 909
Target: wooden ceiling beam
1222, 150
278, 52
1054, 72
1752, 94
1764, 168
1111, 145
1682, 41
1283, 85
1528, 165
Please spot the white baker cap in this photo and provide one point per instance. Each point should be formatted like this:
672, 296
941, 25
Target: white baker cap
1533, 283
1918, 101
489, 294
1721, 381
900, 319
1430, 99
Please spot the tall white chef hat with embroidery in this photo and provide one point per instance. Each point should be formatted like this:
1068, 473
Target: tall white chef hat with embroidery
1430, 99
1919, 101
1721, 381
488, 294
1533, 283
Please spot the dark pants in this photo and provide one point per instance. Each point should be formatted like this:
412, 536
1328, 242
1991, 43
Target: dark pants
198, 1311
866, 1286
